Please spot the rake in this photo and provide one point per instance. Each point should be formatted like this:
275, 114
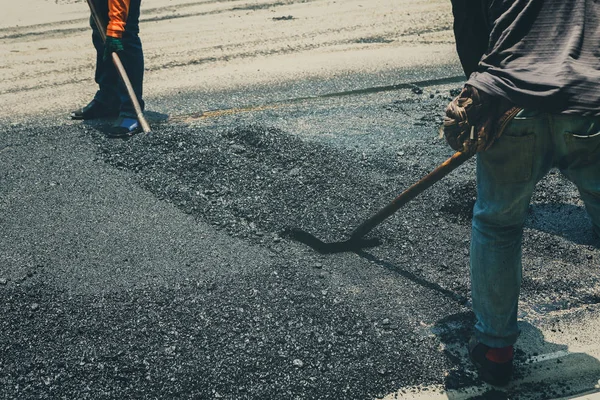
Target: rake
356, 241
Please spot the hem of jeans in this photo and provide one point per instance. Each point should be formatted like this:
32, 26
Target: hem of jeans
128, 114
128, 110
494, 341
106, 103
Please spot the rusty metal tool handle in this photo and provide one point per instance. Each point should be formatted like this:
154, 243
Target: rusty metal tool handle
122, 73
426, 182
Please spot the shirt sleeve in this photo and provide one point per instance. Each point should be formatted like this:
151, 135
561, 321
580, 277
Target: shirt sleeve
117, 17
471, 32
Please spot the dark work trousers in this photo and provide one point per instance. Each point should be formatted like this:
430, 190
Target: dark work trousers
112, 92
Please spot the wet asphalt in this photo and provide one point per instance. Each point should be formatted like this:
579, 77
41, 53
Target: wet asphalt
158, 267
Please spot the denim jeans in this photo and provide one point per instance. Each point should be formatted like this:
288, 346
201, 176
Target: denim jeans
112, 91
507, 173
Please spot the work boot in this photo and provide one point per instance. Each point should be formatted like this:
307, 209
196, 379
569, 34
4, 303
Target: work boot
495, 365
124, 127
94, 110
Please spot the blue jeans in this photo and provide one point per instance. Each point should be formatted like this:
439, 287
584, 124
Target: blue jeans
507, 173
112, 92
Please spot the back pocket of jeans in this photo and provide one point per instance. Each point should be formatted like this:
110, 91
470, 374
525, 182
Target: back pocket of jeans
583, 149
510, 159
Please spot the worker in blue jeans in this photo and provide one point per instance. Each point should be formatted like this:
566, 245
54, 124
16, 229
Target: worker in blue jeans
532, 144
112, 99
531, 103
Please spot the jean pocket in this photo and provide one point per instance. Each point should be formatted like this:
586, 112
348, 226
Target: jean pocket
583, 149
510, 159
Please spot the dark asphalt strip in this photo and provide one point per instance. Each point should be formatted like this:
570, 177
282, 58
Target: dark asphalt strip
417, 86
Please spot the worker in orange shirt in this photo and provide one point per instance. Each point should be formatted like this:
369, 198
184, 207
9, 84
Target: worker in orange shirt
111, 99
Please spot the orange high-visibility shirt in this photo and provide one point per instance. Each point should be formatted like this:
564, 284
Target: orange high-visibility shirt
117, 17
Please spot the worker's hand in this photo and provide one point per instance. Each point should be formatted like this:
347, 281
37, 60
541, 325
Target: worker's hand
112, 45
474, 120
465, 127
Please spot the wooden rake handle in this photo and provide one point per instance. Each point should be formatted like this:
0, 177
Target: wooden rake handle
425, 183
122, 73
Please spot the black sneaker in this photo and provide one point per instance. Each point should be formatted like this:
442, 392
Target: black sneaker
124, 127
495, 365
94, 110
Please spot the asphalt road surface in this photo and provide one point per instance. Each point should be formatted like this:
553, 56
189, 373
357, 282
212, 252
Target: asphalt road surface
159, 267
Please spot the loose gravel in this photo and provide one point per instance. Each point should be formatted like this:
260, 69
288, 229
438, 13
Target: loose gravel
306, 326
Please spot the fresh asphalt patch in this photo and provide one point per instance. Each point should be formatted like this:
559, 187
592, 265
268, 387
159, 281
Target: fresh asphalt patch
246, 312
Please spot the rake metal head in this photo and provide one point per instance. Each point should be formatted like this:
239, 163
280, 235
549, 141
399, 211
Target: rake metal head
352, 244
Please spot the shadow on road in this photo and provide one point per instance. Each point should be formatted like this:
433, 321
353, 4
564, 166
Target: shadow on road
568, 221
414, 278
543, 370
103, 125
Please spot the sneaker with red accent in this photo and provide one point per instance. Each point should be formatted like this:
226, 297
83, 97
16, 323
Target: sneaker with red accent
495, 365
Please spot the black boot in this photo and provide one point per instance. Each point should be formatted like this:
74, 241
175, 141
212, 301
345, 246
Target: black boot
94, 110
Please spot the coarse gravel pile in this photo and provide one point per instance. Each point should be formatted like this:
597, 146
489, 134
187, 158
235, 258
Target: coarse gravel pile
255, 181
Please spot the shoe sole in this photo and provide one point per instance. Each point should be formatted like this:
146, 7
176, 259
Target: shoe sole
82, 117
123, 135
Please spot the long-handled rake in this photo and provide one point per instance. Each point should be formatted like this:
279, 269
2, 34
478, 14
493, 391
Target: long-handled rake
119, 65
356, 240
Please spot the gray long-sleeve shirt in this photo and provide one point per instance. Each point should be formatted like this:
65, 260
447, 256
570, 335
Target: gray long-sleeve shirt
543, 54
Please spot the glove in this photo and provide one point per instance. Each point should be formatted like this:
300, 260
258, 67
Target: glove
112, 45
474, 120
